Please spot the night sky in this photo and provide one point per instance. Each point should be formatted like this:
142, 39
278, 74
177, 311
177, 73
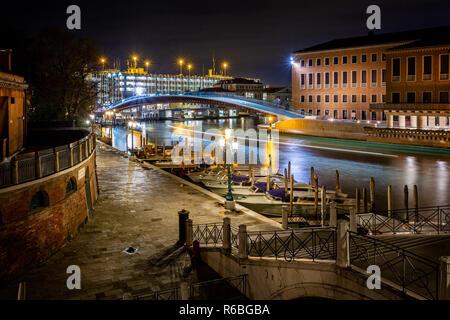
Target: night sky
254, 37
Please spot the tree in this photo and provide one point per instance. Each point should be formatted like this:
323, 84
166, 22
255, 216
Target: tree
59, 74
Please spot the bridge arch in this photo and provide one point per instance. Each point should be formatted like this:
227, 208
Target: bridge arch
220, 100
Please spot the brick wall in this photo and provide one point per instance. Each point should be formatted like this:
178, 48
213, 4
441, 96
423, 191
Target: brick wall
28, 238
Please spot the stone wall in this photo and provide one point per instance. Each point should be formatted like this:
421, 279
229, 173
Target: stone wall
276, 279
417, 137
323, 128
29, 237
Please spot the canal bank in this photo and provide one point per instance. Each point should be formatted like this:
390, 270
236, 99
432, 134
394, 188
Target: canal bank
137, 207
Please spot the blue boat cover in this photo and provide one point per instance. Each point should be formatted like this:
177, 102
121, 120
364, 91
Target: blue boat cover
261, 186
239, 178
279, 193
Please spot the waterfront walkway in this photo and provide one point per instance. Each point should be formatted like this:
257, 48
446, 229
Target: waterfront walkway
137, 207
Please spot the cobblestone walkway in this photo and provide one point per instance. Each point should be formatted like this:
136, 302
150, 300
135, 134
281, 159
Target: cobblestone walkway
137, 207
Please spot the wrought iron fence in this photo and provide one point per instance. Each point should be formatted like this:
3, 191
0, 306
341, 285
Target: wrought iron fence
216, 289
24, 169
415, 220
64, 159
48, 164
208, 234
219, 288
405, 269
171, 294
308, 215
76, 154
312, 243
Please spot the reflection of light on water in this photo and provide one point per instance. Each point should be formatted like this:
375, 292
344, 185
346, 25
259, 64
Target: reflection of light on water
411, 171
443, 183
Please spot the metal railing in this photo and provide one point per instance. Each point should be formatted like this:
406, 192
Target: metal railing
410, 272
313, 243
215, 289
45, 162
415, 220
208, 233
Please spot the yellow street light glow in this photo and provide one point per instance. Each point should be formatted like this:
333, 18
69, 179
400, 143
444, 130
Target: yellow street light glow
134, 58
102, 60
270, 119
225, 65
189, 66
147, 63
180, 61
227, 134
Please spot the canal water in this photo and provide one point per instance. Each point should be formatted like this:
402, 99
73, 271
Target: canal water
357, 161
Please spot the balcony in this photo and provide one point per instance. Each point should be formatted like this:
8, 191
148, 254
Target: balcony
335, 85
443, 76
411, 77
354, 85
326, 86
364, 85
344, 85
426, 76
395, 78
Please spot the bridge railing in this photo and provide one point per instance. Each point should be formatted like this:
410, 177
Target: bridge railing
43, 163
216, 288
313, 243
402, 268
216, 95
415, 220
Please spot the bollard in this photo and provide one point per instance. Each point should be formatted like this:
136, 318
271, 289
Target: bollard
389, 200
286, 181
311, 179
291, 196
243, 254
289, 169
358, 201
372, 194
226, 233
416, 203
365, 200
338, 188
444, 278
405, 202
333, 215
189, 232
343, 247
316, 196
184, 291
353, 221
183, 215
284, 216
323, 201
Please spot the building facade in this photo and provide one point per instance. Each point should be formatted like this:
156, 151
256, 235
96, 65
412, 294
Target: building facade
115, 85
247, 87
342, 78
418, 85
12, 109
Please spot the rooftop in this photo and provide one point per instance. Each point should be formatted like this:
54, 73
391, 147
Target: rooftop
439, 34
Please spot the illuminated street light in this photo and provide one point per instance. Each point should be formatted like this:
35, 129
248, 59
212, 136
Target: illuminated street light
102, 61
147, 64
180, 62
189, 66
229, 196
225, 65
135, 58
292, 60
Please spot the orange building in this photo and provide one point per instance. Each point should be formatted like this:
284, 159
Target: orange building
12, 108
342, 78
418, 84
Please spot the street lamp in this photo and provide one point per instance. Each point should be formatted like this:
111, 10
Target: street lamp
135, 58
180, 62
189, 66
229, 196
225, 65
147, 64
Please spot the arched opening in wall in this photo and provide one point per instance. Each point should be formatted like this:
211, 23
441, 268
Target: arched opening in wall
39, 201
71, 186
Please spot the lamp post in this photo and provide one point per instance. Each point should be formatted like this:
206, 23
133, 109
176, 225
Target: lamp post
234, 146
135, 61
147, 64
225, 65
189, 66
92, 122
270, 127
132, 125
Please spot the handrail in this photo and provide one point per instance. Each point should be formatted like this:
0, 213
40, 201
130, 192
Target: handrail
46, 162
413, 273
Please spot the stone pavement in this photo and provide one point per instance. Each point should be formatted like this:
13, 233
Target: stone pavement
137, 207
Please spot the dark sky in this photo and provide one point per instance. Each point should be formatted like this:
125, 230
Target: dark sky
254, 37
